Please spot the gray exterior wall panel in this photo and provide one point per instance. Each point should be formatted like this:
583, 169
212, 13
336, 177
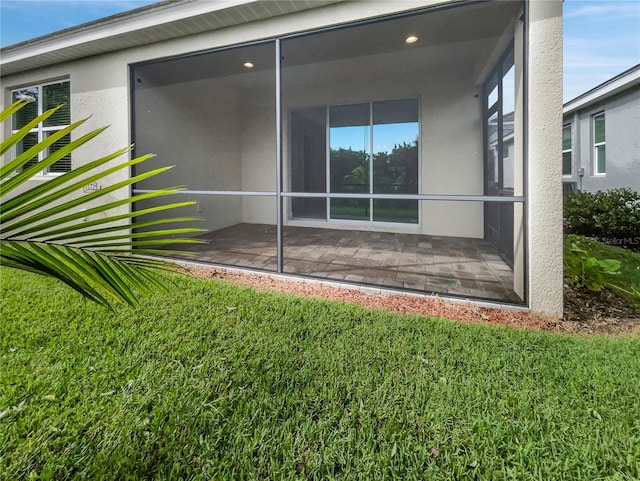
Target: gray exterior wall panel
622, 131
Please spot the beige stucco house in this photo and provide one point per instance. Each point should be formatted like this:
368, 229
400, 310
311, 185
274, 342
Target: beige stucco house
407, 145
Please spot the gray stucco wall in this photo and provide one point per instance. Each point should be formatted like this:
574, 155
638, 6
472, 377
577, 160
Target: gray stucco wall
622, 133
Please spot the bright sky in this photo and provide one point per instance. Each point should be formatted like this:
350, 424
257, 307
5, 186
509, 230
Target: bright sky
601, 40
601, 37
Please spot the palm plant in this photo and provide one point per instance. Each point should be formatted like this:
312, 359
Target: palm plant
43, 228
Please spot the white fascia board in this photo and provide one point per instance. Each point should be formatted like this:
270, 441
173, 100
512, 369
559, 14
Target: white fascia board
117, 26
608, 89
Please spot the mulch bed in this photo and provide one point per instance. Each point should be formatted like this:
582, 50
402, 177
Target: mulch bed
585, 313
603, 311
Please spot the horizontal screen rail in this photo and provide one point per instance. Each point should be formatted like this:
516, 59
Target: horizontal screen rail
211, 192
334, 195
452, 197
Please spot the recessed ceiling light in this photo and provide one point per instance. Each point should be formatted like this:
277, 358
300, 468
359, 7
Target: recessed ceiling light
411, 39
248, 65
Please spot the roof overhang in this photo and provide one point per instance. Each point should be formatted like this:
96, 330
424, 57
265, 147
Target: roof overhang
611, 87
153, 23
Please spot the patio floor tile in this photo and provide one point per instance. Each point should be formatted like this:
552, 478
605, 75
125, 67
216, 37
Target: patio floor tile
449, 265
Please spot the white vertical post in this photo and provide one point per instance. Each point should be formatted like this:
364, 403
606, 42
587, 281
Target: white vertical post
544, 154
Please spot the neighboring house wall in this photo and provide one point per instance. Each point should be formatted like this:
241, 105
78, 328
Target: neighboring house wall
622, 135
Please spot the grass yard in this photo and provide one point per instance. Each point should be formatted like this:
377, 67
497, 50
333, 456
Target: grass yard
215, 381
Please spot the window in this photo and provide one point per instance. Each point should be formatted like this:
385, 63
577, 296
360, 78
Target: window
599, 145
44, 97
566, 149
499, 122
372, 149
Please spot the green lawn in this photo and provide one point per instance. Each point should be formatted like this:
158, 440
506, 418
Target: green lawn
629, 262
215, 381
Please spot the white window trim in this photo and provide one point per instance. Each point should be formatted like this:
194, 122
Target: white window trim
40, 129
569, 150
596, 173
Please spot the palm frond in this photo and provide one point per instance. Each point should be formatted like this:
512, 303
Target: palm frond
43, 228
30, 226
98, 233
32, 199
18, 136
12, 109
9, 183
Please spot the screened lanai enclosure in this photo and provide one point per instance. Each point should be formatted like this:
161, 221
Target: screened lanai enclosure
386, 153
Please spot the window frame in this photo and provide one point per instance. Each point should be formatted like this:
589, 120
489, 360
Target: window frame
41, 130
569, 150
370, 221
596, 144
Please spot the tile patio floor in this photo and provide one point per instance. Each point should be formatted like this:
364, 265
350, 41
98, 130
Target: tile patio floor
432, 264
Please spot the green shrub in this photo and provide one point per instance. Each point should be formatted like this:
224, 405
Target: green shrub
586, 271
608, 215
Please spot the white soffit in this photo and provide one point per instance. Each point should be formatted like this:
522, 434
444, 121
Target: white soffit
611, 87
153, 23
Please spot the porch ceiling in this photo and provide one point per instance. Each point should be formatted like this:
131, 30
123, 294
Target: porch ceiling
157, 22
449, 42
461, 24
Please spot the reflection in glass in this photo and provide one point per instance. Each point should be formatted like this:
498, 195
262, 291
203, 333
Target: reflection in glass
29, 112
395, 159
566, 163
492, 144
599, 128
509, 88
601, 155
384, 131
500, 155
599, 143
566, 150
493, 97
349, 143
566, 137
508, 103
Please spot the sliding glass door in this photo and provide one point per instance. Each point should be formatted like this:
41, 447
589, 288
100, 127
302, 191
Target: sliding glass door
372, 149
